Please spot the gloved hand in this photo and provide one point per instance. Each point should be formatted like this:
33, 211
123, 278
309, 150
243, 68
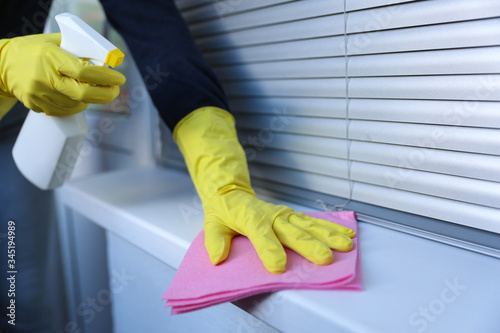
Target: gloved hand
217, 164
45, 78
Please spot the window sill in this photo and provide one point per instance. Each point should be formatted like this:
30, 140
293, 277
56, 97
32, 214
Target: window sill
411, 284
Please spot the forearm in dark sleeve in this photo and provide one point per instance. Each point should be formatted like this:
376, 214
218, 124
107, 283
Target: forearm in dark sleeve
174, 71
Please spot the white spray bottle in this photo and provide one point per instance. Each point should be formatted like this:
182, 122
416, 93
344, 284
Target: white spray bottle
47, 147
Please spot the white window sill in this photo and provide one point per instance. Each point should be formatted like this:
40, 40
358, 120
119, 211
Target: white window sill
411, 284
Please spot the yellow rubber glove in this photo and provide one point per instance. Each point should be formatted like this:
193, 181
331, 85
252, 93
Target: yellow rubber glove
217, 164
6, 103
45, 78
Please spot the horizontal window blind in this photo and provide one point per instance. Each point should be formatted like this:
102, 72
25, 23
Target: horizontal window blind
391, 106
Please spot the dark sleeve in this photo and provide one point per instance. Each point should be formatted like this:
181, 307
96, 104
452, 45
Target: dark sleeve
23, 17
173, 69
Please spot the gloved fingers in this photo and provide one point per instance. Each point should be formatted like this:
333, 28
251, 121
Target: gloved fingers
59, 106
69, 65
333, 239
301, 242
306, 221
85, 72
268, 247
86, 93
326, 233
62, 101
218, 240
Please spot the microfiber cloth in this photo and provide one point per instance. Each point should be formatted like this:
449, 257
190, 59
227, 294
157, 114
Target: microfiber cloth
199, 284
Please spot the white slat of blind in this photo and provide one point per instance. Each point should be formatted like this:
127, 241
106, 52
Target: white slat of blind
302, 49
323, 184
291, 88
465, 139
456, 87
441, 36
321, 146
420, 13
319, 27
478, 166
261, 26
455, 113
352, 5
414, 14
435, 207
457, 188
436, 37
287, 106
471, 61
292, 11
423, 90
485, 218
208, 9
312, 164
308, 68
328, 127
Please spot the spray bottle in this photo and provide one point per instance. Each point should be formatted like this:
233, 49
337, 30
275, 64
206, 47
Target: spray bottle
48, 147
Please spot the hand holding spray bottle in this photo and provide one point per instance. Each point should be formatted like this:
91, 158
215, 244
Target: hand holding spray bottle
47, 147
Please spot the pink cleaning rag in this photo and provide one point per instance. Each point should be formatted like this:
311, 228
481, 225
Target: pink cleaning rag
199, 284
